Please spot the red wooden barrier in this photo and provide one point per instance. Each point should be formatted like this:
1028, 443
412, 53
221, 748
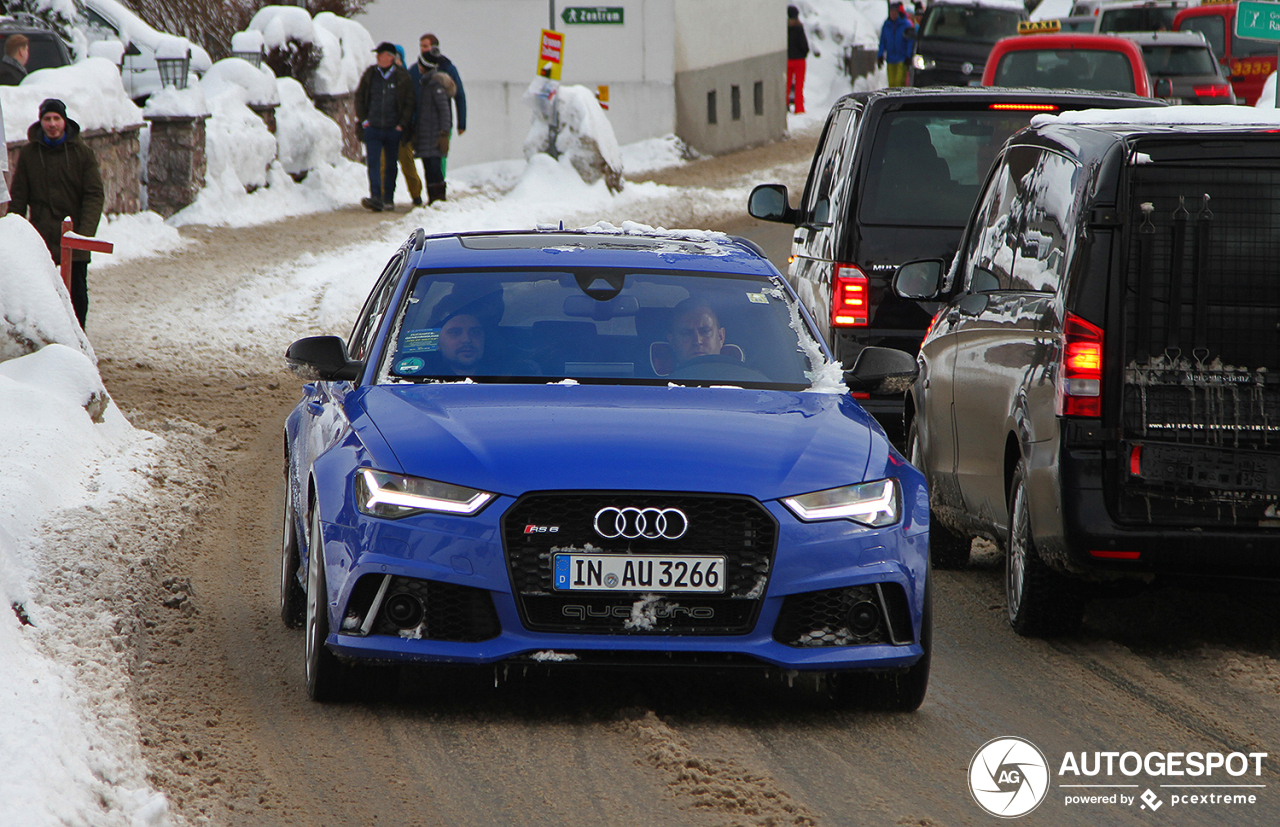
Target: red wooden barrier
76, 242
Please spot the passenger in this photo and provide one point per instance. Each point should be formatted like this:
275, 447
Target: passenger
695, 331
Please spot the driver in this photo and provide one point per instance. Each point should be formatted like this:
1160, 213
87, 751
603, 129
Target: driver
695, 331
462, 343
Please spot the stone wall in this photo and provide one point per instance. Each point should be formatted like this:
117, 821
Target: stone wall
342, 108
118, 161
176, 163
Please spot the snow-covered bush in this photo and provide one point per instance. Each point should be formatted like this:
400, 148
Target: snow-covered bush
306, 136
581, 132
326, 55
35, 308
341, 71
235, 136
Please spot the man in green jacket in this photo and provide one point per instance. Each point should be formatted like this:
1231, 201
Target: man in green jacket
57, 176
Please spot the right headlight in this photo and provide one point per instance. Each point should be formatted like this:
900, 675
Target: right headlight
381, 494
922, 63
873, 504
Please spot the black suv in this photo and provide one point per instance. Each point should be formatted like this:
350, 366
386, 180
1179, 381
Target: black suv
47, 51
954, 39
894, 178
1095, 392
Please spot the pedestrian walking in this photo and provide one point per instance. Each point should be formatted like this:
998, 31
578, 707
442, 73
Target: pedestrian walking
429, 49
434, 121
384, 113
13, 66
797, 51
895, 47
56, 177
407, 166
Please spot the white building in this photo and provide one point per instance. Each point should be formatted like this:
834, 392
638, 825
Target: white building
711, 71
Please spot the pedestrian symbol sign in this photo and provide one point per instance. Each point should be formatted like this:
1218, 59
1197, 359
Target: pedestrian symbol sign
1258, 21
610, 15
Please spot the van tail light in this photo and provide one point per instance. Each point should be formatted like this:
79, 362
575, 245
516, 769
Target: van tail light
1079, 390
850, 297
1213, 90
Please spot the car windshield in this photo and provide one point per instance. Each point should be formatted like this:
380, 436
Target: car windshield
975, 23
1137, 20
1179, 60
927, 167
609, 326
1092, 69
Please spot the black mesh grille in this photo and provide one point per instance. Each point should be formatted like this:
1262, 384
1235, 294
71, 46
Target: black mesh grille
814, 619
449, 612
738, 528
1202, 343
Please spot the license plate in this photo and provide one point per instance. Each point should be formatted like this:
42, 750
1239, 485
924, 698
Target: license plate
639, 572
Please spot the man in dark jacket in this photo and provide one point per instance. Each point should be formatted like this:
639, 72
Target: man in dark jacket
797, 51
384, 112
13, 66
57, 176
434, 122
895, 47
429, 46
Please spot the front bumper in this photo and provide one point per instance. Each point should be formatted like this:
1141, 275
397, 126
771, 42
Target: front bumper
810, 558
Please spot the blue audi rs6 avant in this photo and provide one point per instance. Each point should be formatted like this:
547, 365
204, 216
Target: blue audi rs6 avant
599, 448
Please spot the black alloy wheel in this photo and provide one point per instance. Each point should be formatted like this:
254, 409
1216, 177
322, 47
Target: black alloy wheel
946, 550
1041, 601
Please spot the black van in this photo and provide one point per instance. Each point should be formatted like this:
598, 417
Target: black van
1096, 392
894, 178
954, 39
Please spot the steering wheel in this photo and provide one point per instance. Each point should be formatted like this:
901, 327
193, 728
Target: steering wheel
717, 368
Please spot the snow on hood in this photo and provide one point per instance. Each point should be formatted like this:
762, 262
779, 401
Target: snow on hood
35, 308
1166, 116
91, 89
515, 438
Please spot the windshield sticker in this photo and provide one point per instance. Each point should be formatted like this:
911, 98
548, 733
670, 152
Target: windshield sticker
757, 298
410, 365
421, 341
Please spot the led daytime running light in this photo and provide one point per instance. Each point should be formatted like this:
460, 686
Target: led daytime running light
377, 495
871, 503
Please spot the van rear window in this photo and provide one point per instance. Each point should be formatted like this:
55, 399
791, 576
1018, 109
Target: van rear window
926, 168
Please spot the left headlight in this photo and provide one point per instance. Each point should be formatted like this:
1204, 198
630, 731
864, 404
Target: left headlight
922, 63
381, 494
870, 503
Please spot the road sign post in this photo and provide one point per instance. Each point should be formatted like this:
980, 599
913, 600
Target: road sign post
1260, 21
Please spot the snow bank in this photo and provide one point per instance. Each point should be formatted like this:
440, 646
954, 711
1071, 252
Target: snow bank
653, 154
1268, 98
345, 46
254, 85
136, 235
235, 137
833, 26
224, 202
174, 102
308, 138
35, 308
584, 135
91, 89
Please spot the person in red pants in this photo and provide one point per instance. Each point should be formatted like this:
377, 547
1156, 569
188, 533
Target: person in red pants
797, 51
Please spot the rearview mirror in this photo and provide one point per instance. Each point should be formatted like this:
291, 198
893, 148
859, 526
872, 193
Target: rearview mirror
918, 280
769, 202
323, 357
883, 370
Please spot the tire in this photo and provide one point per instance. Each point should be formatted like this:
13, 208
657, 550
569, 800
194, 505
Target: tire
946, 550
1041, 602
327, 678
897, 692
293, 598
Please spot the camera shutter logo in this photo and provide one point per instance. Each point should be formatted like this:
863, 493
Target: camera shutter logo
1009, 777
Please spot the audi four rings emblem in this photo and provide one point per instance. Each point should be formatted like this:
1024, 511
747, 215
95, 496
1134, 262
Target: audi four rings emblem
635, 523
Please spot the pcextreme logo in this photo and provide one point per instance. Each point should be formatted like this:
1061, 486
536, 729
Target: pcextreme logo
1009, 777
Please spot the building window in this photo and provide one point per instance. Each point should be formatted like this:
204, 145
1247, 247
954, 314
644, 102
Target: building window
711, 106
758, 94
735, 102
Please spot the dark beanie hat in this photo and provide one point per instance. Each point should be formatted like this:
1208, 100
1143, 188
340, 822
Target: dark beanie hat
793, 12
53, 105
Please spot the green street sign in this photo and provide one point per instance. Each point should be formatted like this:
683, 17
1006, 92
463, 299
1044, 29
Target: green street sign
1258, 21
610, 15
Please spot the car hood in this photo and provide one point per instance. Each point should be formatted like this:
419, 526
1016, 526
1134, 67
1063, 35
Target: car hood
510, 439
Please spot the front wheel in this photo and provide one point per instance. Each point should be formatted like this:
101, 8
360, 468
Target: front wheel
327, 678
293, 598
1041, 601
946, 550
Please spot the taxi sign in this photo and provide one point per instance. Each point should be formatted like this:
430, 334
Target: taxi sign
1039, 26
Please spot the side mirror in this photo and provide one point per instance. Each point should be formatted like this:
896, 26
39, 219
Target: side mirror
1164, 88
918, 280
323, 357
768, 202
883, 370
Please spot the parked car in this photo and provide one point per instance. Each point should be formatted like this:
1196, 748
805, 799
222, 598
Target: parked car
47, 51
1248, 62
1138, 16
602, 448
110, 20
1182, 67
1068, 61
894, 177
953, 39
1094, 393
1082, 24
